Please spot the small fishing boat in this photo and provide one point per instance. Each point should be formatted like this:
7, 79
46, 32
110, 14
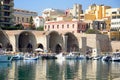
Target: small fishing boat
30, 57
116, 57
70, 56
106, 58
18, 57
97, 57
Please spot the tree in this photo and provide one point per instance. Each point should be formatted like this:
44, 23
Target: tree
41, 28
92, 31
32, 26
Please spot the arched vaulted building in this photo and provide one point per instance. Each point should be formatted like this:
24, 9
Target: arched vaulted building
53, 41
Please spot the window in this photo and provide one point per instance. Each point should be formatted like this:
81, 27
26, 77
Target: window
113, 17
6, 14
18, 19
118, 17
114, 12
6, 7
57, 26
53, 26
62, 26
6, 1
73, 25
27, 19
67, 25
22, 19
14, 18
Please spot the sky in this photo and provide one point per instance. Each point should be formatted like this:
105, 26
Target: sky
39, 5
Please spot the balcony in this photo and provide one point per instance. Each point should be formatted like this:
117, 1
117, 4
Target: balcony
9, 3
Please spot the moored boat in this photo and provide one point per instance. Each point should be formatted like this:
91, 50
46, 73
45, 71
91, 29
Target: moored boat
116, 57
18, 57
106, 58
60, 56
30, 57
70, 56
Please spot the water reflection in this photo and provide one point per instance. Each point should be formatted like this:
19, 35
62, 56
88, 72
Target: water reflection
60, 70
4, 70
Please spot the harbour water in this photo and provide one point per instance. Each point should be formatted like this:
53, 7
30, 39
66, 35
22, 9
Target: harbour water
60, 70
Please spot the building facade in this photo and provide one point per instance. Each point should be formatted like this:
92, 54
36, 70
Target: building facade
23, 16
99, 11
6, 10
38, 21
114, 15
70, 26
51, 14
115, 18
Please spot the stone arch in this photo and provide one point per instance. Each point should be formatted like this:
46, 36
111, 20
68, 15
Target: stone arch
4, 39
54, 39
58, 49
40, 46
26, 41
72, 42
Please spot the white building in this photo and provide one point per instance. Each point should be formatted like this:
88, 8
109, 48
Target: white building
115, 18
77, 10
50, 14
38, 21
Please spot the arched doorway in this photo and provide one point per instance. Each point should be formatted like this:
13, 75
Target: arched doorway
29, 47
58, 49
9, 47
72, 43
74, 47
54, 40
40, 46
26, 42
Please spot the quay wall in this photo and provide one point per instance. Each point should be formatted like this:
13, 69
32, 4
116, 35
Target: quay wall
97, 42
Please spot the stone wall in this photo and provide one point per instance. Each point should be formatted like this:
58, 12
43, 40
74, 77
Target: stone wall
86, 41
115, 45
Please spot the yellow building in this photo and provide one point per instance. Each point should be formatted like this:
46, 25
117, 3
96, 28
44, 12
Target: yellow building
97, 12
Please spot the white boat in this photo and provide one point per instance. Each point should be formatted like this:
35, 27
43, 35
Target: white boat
5, 58
60, 56
97, 57
116, 57
31, 58
70, 56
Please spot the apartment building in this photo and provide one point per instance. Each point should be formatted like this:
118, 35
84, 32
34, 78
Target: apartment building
114, 14
115, 18
23, 16
6, 10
